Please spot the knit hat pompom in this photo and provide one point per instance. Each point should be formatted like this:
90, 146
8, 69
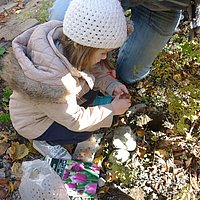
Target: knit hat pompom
95, 23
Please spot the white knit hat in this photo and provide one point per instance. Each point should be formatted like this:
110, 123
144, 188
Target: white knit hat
95, 23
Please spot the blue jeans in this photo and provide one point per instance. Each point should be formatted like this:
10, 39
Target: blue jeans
151, 32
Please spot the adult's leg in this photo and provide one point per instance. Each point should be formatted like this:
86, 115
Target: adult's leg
57, 11
152, 30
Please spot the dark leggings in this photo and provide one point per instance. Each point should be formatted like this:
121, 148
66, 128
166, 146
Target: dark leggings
58, 134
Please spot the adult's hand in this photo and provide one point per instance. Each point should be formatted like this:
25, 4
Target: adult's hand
120, 89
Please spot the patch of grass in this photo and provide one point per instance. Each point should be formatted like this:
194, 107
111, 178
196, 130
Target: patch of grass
2, 51
6, 95
41, 13
5, 118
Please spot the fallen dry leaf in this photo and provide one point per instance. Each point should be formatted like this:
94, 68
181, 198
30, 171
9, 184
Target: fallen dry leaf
3, 147
180, 174
104, 190
153, 91
166, 168
99, 160
16, 170
3, 193
188, 162
194, 183
140, 132
112, 176
169, 131
173, 143
141, 152
122, 122
162, 153
4, 137
196, 150
177, 77
100, 150
11, 187
134, 164
32, 149
17, 183
178, 171
161, 161
143, 120
178, 153
198, 161
17, 11
178, 162
4, 182
17, 151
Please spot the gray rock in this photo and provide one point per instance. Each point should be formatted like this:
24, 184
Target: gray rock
2, 173
101, 182
132, 110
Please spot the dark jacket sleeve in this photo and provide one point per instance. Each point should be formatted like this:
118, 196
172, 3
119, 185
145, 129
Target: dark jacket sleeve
191, 6
197, 13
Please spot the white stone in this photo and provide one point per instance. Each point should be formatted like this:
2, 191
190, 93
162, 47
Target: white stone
101, 182
124, 138
119, 156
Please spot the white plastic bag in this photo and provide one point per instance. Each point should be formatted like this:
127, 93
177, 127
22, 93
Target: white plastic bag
40, 181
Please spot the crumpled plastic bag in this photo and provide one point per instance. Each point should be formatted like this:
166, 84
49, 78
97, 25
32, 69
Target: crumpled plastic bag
40, 181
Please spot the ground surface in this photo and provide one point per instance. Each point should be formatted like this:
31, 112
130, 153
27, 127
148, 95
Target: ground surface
166, 161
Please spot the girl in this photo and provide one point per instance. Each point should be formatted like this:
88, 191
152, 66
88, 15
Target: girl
55, 70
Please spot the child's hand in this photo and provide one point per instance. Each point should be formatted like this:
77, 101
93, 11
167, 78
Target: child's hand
120, 90
120, 106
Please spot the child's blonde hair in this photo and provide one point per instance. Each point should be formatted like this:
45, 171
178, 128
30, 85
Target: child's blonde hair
80, 56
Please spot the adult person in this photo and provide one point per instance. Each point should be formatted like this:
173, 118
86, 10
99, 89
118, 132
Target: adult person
55, 70
154, 23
